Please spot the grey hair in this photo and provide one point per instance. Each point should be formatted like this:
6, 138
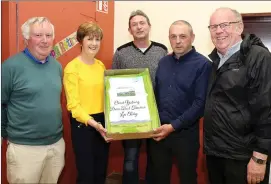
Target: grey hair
237, 15
181, 22
141, 13
26, 26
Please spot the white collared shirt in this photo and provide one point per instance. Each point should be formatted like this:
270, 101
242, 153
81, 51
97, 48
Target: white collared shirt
223, 58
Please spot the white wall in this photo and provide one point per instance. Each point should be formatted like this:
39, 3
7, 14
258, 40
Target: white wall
163, 13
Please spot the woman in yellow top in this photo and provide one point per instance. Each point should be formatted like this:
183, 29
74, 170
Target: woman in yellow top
84, 87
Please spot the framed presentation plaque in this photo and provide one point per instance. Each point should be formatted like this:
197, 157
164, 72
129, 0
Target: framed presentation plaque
130, 105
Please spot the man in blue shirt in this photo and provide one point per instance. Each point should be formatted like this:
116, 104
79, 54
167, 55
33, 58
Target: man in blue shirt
181, 85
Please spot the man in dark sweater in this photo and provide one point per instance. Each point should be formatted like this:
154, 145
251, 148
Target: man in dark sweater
31, 115
141, 53
181, 85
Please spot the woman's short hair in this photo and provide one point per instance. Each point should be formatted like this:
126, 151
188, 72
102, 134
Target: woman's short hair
89, 29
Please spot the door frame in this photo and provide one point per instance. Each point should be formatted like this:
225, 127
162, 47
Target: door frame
256, 17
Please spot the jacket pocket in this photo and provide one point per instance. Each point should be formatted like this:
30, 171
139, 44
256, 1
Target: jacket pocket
241, 120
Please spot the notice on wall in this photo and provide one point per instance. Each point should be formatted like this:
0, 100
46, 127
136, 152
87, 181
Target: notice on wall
102, 6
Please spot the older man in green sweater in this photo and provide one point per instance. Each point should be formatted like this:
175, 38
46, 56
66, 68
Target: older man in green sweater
31, 109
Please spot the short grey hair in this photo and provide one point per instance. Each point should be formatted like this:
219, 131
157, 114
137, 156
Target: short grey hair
237, 15
141, 13
181, 22
26, 26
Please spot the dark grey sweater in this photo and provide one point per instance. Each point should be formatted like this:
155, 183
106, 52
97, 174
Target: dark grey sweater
129, 56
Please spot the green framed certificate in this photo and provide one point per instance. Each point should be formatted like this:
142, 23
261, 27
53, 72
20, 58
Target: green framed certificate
130, 107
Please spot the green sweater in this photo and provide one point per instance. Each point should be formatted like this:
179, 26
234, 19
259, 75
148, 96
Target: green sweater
30, 101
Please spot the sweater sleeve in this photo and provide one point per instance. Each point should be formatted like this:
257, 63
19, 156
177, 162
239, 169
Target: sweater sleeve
196, 110
6, 89
71, 86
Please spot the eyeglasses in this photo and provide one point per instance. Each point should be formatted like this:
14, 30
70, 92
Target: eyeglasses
223, 25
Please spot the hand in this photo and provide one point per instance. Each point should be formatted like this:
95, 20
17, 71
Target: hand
162, 132
255, 172
102, 131
99, 127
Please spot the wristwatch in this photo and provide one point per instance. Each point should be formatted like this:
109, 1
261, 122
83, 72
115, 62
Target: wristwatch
258, 160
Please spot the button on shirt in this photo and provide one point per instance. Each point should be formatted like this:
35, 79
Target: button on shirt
181, 86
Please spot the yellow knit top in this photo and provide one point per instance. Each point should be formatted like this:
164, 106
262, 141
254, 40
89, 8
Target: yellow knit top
84, 88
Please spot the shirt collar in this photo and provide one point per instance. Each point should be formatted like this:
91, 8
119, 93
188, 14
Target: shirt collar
138, 49
231, 51
185, 56
29, 55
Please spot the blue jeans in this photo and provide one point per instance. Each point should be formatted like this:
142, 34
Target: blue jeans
130, 164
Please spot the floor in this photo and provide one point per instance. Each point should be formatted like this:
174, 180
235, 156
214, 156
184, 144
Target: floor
115, 178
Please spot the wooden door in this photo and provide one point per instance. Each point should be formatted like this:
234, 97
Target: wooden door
260, 25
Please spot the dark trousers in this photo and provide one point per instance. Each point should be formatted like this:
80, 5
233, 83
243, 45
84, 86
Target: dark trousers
91, 152
184, 149
228, 171
131, 161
